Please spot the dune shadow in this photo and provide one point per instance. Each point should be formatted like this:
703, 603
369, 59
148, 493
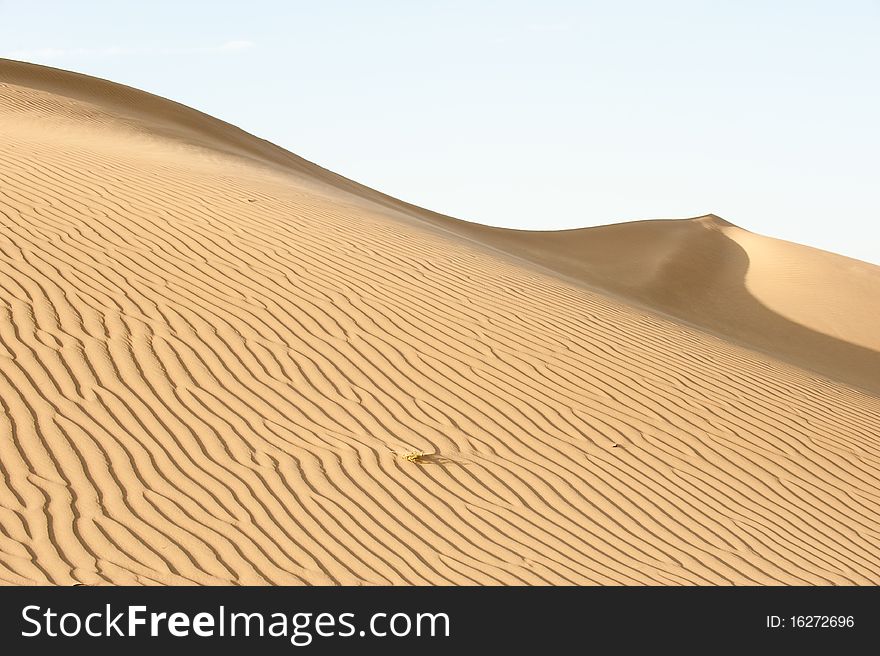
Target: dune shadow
723, 304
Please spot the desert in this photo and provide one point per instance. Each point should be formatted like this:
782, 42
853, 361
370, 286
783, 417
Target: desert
223, 364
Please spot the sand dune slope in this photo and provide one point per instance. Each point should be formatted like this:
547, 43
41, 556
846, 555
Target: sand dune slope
814, 309
214, 357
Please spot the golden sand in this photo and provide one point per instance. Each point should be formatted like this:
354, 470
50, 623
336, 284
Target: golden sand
220, 363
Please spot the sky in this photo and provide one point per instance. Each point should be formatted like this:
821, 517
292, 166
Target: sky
536, 115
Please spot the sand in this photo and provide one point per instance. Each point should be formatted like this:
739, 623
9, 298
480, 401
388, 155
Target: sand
215, 358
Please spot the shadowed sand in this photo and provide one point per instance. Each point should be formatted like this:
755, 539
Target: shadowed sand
215, 358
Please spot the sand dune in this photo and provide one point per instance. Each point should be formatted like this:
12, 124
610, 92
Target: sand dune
215, 356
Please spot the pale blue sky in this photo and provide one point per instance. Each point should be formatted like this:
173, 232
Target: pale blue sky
536, 115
